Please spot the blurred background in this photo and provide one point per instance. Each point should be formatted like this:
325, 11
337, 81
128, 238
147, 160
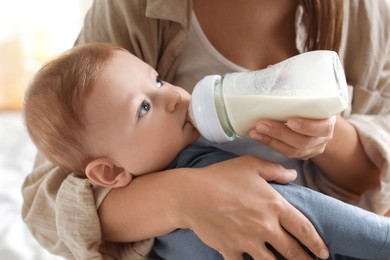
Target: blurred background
31, 33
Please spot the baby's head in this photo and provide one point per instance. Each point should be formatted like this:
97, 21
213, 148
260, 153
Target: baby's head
99, 111
54, 103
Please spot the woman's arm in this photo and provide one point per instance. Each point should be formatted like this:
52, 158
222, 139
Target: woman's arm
228, 205
344, 161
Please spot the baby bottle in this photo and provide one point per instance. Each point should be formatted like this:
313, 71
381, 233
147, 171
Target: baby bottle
310, 85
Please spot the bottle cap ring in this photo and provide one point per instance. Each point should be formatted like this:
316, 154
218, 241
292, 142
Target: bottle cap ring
204, 110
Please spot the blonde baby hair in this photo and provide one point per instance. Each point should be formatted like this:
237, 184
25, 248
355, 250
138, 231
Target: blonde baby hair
53, 105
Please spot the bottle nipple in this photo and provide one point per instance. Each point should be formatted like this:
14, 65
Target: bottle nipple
190, 116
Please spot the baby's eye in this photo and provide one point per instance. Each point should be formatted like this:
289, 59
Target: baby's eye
159, 83
145, 107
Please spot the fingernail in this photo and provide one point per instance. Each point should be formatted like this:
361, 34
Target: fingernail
333, 119
261, 138
292, 171
324, 254
263, 128
294, 124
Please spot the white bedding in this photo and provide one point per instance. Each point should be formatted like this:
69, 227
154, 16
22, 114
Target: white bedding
17, 154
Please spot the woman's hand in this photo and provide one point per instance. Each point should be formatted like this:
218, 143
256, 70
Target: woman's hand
234, 210
334, 146
297, 138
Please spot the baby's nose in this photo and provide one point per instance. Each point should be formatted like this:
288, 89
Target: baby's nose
173, 99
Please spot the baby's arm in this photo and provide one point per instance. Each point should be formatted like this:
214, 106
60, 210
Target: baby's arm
346, 229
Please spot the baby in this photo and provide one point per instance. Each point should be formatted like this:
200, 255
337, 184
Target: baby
102, 113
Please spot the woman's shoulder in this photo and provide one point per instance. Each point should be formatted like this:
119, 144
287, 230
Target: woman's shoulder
372, 10
366, 30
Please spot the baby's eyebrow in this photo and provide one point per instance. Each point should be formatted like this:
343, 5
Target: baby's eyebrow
153, 72
131, 107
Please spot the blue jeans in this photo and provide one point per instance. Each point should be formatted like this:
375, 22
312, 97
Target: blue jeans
348, 231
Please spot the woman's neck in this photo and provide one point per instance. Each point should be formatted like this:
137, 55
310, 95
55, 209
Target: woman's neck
250, 33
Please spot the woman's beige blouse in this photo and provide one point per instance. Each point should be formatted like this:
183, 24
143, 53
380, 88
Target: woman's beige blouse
60, 208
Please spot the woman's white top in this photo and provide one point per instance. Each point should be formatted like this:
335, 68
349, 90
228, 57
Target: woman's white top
201, 57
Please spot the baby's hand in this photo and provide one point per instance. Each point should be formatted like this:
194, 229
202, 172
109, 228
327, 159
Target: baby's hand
297, 138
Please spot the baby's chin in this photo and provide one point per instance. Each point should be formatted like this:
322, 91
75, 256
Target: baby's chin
191, 133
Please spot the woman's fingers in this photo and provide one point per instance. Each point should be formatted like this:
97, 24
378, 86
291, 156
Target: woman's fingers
304, 232
312, 127
288, 247
268, 170
298, 138
231, 255
264, 253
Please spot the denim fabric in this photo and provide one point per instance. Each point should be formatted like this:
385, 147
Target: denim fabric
349, 232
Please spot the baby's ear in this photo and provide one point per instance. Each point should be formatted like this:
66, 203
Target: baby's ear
103, 172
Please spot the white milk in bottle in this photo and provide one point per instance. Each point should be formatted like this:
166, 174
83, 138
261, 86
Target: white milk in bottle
310, 85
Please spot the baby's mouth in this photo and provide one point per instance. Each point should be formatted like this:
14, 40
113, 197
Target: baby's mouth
190, 117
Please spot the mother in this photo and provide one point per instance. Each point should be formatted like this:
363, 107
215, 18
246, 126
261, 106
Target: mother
184, 40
